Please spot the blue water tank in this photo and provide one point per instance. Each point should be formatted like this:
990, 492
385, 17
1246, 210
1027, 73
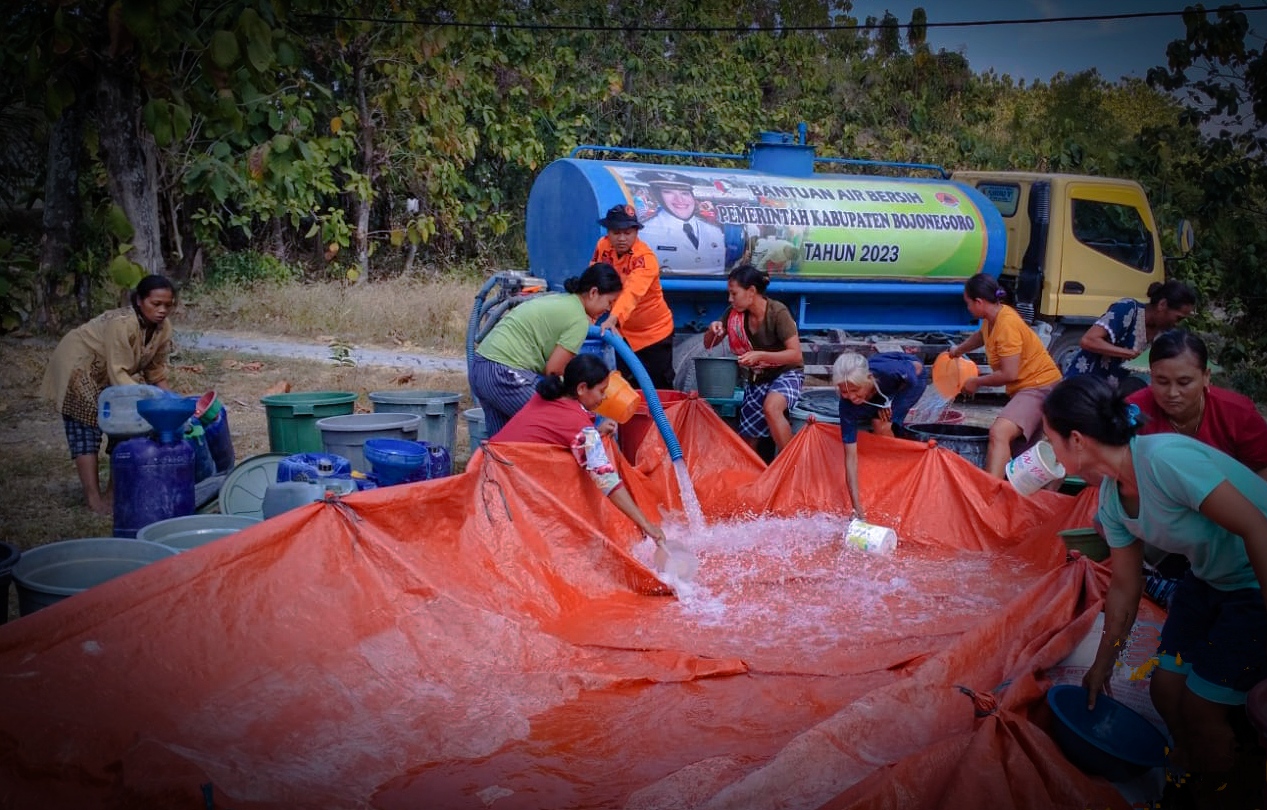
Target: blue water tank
865, 253
153, 481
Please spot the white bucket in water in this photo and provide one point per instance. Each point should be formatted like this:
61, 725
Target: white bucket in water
676, 560
1034, 469
870, 538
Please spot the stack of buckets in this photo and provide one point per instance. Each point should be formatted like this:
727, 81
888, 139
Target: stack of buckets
325, 422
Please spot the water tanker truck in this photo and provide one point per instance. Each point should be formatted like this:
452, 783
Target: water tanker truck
857, 257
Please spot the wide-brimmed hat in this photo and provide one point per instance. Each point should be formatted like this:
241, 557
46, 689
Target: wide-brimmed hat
620, 217
662, 179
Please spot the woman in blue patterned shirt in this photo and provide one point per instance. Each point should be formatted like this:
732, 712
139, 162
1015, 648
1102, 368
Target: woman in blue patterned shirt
1128, 328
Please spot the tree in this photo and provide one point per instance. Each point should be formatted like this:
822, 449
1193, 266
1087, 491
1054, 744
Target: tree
126, 79
1221, 72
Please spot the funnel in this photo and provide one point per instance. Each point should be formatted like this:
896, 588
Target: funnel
167, 416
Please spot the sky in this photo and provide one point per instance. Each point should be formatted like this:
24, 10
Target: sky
1115, 48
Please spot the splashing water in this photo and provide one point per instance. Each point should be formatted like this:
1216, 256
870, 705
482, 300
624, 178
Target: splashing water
930, 408
792, 588
690, 503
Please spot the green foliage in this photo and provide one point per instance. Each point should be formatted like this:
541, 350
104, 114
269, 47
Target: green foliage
248, 267
16, 271
279, 124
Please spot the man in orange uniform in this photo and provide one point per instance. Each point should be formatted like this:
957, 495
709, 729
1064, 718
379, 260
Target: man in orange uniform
640, 313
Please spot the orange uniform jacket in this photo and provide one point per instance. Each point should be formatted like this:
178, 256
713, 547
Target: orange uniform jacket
640, 311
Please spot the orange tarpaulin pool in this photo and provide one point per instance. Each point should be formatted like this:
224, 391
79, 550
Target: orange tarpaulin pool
495, 639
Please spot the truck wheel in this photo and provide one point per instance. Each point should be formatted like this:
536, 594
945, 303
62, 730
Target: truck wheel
1064, 345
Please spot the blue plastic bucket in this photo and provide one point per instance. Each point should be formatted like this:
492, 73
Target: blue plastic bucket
395, 461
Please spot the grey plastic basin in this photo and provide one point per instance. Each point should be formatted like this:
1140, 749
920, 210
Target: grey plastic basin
48, 574
191, 531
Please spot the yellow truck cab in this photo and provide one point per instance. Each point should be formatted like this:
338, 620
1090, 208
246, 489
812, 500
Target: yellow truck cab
1075, 244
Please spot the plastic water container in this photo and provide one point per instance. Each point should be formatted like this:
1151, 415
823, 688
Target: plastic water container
116, 409
215, 421
48, 574
345, 435
196, 438
475, 429
601, 348
438, 409
440, 462
312, 467
152, 482
288, 495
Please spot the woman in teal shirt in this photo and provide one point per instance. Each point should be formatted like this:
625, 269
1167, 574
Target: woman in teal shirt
1184, 497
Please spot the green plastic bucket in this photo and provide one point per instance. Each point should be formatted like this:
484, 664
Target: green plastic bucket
438, 409
292, 418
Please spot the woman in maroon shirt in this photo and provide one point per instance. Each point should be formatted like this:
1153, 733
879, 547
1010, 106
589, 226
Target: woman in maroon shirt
1180, 399
560, 413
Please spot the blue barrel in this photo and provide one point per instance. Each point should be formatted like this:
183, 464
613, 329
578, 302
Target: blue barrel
219, 440
600, 348
440, 463
152, 482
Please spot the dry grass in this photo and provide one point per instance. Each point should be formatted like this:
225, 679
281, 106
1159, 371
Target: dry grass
430, 316
42, 501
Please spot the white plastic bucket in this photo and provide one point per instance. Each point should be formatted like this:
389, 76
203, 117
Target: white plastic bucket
870, 538
1034, 469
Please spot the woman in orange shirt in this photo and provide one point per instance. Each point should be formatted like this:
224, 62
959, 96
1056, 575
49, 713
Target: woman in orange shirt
640, 314
1018, 360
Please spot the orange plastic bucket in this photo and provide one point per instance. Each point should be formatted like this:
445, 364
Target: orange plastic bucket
622, 399
950, 373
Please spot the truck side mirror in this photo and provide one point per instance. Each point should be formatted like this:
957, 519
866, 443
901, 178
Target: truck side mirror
1186, 236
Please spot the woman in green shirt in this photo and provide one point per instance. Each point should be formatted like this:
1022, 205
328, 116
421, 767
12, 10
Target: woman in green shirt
537, 338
